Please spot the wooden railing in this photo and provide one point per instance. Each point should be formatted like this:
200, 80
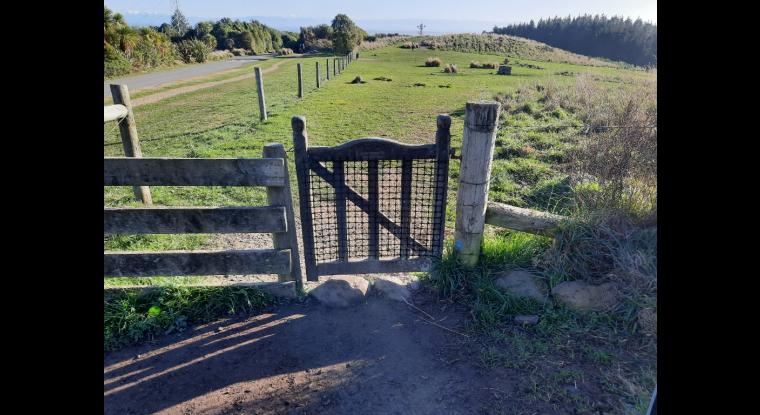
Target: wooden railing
277, 218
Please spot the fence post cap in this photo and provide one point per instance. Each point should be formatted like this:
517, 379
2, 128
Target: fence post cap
443, 121
481, 114
298, 123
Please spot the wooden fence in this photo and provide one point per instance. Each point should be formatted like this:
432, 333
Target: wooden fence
277, 218
339, 64
473, 208
121, 112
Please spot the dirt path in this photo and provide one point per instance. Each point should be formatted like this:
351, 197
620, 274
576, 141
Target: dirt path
149, 99
379, 357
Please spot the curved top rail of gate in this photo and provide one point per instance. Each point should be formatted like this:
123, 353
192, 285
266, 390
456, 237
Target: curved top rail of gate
371, 205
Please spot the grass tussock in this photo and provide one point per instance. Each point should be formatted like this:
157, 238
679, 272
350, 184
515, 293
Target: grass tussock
433, 62
484, 65
450, 68
132, 316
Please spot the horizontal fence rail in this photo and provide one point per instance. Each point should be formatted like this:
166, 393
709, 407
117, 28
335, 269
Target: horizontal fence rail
232, 262
247, 219
125, 171
114, 113
524, 220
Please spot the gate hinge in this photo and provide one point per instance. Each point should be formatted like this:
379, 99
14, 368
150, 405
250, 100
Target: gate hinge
453, 154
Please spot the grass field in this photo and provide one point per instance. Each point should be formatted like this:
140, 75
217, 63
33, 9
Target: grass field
533, 142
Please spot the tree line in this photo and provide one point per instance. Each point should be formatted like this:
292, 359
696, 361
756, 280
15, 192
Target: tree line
127, 48
613, 38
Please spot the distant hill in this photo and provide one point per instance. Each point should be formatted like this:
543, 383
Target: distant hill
613, 38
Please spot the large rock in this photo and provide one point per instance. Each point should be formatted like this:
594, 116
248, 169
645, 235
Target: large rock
341, 291
522, 284
392, 288
582, 296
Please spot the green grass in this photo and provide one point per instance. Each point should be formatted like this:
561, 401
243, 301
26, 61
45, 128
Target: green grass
132, 316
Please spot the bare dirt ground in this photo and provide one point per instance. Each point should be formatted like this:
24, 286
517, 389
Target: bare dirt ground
380, 357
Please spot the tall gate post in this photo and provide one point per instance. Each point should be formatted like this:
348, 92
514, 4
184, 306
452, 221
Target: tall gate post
327, 68
128, 131
300, 147
260, 90
480, 124
282, 196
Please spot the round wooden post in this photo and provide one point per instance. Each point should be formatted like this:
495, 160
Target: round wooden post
327, 68
282, 196
129, 139
480, 123
317, 74
335, 67
260, 90
300, 149
300, 82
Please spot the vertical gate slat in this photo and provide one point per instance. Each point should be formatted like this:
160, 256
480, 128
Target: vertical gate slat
406, 203
443, 145
373, 198
300, 147
340, 209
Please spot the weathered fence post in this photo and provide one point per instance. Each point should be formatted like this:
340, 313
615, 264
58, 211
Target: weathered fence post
327, 68
480, 123
317, 74
300, 147
300, 82
335, 67
128, 130
282, 196
260, 90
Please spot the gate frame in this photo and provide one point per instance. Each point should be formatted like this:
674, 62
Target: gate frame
369, 149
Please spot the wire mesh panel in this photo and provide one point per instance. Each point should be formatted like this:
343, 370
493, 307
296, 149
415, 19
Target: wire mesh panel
372, 204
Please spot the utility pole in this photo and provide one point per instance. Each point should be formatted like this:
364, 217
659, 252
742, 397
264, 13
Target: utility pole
421, 26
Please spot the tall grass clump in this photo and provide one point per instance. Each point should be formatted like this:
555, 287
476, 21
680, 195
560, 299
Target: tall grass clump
485, 65
450, 68
433, 62
133, 316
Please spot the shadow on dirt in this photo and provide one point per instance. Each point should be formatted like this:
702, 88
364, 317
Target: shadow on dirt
377, 357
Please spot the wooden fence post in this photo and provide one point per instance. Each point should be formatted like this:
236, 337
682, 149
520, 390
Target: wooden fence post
327, 68
260, 90
480, 123
128, 130
300, 148
335, 67
282, 196
300, 82
317, 74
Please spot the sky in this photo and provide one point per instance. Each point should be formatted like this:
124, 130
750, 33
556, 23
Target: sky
484, 11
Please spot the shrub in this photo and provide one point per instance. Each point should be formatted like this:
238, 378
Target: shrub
285, 51
486, 65
239, 52
218, 55
193, 50
410, 45
433, 62
451, 68
114, 62
210, 41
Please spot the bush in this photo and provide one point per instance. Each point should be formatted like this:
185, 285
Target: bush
409, 45
433, 62
193, 50
451, 68
487, 65
285, 51
239, 51
219, 55
114, 62
210, 41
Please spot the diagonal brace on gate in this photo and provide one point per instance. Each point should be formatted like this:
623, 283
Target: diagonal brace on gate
364, 205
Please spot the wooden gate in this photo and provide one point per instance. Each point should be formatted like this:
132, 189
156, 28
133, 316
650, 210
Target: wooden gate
371, 205
276, 218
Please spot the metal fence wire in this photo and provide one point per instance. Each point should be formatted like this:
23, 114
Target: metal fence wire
415, 218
